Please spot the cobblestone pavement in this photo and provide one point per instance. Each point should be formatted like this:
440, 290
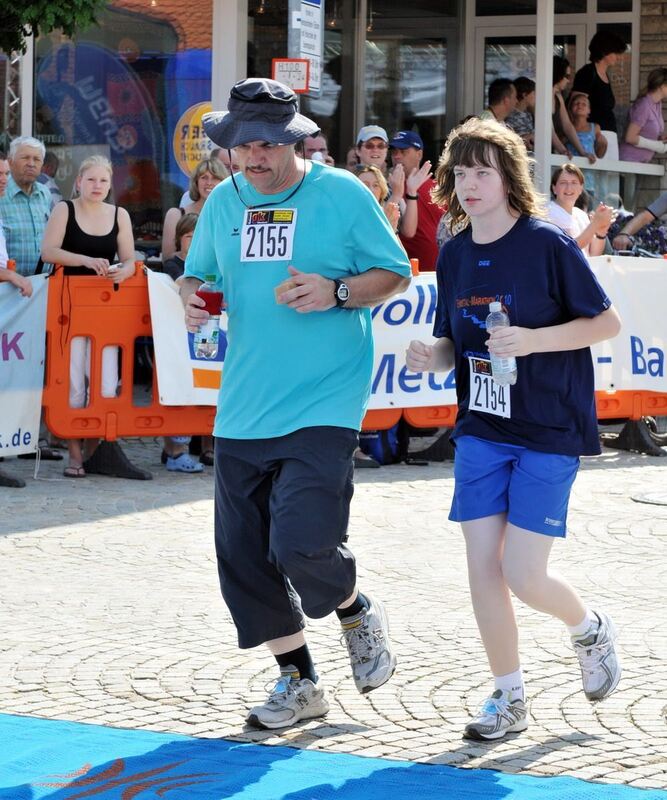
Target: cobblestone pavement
110, 613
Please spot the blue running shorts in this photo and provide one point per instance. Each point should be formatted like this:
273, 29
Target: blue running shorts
532, 488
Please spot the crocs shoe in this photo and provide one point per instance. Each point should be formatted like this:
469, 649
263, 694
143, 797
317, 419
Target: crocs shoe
183, 463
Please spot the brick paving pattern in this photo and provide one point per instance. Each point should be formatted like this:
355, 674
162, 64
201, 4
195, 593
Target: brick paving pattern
110, 613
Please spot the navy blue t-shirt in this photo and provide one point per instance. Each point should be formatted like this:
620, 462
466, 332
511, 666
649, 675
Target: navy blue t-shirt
542, 279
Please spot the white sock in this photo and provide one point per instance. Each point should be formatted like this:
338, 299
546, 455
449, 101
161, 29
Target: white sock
588, 624
512, 684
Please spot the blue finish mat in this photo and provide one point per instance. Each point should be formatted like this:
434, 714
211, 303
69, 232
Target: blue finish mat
69, 761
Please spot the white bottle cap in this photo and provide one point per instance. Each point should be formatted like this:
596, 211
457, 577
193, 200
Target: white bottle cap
495, 306
317, 156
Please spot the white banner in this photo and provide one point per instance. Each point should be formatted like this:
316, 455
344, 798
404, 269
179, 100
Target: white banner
182, 378
634, 360
22, 341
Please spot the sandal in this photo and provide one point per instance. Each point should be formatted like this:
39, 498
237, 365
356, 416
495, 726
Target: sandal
74, 472
46, 453
207, 457
183, 463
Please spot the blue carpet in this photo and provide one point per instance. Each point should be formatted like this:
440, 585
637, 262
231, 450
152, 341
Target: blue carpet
70, 761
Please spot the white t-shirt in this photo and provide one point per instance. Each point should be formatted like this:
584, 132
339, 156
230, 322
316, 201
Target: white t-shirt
573, 224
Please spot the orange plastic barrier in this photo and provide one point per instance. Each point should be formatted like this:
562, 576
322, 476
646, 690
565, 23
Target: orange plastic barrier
93, 308
121, 316
610, 405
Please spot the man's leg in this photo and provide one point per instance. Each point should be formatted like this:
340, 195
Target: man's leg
309, 517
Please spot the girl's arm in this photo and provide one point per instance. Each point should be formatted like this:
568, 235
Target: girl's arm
573, 335
124, 247
632, 133
600, 142
52, 251
571, 133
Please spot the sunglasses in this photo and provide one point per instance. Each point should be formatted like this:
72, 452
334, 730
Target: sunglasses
369, 146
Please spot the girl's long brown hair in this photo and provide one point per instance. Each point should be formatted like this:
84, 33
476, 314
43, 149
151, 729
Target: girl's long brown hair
487, 143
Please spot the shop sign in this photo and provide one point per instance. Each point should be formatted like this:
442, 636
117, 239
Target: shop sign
190, 144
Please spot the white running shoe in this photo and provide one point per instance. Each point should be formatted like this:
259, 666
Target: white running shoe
367, 638
600, 667
291, 699
496, 717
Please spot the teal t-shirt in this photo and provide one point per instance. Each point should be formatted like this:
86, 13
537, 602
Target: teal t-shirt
284, 370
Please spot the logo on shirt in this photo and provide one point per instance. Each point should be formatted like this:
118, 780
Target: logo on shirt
235, 231
554, 522
484, 262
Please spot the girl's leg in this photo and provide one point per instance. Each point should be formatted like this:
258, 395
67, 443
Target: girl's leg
525, 566
485, 543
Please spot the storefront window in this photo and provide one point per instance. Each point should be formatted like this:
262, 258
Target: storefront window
133, 89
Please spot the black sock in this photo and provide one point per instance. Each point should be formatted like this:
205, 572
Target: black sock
360, 604
299, 658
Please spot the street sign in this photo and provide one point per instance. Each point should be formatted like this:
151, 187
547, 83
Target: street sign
312, 40
293, 72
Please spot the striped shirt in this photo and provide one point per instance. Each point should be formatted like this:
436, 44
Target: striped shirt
24, 220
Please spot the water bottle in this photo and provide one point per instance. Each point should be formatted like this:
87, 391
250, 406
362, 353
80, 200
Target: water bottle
503, 369
206, 338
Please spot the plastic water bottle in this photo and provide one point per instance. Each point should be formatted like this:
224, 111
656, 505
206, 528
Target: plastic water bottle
206, 338
504, 370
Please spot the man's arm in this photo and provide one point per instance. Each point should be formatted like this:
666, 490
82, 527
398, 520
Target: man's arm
624, 237
314, 292
22, 283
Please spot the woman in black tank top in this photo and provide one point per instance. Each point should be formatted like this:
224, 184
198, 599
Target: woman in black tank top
86, 236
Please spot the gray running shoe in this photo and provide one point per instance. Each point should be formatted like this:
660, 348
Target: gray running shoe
367, 638
291, 699
600, 667
496, 717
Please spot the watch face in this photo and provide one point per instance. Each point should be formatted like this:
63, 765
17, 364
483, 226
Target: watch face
343, 292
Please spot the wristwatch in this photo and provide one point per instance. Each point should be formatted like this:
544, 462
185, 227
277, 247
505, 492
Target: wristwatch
341, 292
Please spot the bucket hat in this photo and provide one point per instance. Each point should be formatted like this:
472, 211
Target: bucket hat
262, 110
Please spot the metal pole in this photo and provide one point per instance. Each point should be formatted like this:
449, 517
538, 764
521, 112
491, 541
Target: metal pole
543, 76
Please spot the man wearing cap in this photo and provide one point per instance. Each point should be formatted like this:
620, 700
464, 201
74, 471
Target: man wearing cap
372, 144
299, 275
420, 221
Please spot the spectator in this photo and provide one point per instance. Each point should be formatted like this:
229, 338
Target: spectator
317, 144
84, 235
372, 144
175, 454
185, 228
502, 100
589, 134
351, 159
48, 174
593, 79
414, 183
567, 184
645, 230
22, 284
223, 156
646, 127
25, 205
522, 119
372, 177
24, 210
206, 176
562, 129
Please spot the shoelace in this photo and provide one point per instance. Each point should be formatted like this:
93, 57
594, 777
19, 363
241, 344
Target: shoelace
361, 642
281, 690
592, 655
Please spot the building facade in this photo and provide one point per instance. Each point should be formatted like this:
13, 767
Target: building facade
135, 86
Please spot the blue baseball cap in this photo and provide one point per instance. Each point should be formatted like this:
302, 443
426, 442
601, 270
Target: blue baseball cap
404, 139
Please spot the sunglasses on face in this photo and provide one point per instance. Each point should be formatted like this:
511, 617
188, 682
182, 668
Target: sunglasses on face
370, 146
